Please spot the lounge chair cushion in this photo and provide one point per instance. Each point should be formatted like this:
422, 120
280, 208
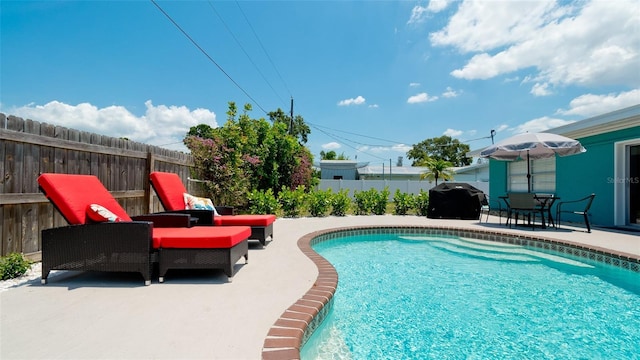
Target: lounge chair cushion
200, 237
250, 220
73, 193
199, 203
99, 213
170, 190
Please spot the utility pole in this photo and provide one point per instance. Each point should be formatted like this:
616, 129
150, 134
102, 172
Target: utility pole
291, 119
493, 133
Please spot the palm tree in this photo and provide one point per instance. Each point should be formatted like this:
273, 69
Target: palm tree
437, 169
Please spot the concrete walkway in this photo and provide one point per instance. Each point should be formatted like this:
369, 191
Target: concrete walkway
196, 315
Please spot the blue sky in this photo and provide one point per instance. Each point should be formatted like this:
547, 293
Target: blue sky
372, 78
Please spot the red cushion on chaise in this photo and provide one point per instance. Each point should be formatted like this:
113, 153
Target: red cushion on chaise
200, 237
170, 190
72, 195
253, 220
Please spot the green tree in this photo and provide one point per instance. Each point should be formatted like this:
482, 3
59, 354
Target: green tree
443, 148
331, 155
224, 169
203, 130
297, 128
303, 173
248, 154
437, 169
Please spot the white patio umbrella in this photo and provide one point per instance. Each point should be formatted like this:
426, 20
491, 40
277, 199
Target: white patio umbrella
532, 146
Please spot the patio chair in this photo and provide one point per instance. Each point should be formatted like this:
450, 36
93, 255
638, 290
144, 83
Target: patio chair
576, 207
171, 193
488, 205
101, 236
522, 203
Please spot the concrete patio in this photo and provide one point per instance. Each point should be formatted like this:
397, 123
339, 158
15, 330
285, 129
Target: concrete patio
198, 315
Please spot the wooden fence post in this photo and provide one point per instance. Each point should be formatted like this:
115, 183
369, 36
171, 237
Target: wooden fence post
150, 166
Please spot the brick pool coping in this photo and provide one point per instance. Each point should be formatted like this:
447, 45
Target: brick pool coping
296, 324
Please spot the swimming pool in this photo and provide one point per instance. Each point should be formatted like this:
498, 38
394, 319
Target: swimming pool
408, 293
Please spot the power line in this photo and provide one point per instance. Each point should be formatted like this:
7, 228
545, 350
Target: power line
349, 140
343, 139
392, 141
207, 55
335, 137
351, 133
493, 133
244, 51
263, 49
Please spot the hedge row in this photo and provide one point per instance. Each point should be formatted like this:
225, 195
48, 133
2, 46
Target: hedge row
319, 203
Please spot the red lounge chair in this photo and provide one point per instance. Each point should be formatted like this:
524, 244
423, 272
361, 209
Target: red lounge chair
171, 190
99, 240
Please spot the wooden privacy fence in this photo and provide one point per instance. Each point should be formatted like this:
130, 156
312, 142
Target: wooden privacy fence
29, 148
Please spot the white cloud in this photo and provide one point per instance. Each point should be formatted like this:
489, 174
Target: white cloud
353, 101
541, 90
161, 125
375, 106
419, 13
438, 5
580, 43
592, 105
331, 146
450, 93
420, 98
452, 133
401, 147
485, 25
397, 148
414, 84
502, 127
540, 124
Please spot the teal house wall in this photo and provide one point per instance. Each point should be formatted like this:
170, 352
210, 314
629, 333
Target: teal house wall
593, 172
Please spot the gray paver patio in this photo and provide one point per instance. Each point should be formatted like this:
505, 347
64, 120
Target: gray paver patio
196, 315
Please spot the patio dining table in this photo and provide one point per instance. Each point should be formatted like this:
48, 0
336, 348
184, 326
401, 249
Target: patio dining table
544, 204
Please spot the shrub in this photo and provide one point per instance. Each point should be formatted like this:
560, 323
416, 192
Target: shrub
13, 265
363, 202
292, 201
380, 200
319, 202
262, 202
340, 203
422, 203
371, 201
403, 202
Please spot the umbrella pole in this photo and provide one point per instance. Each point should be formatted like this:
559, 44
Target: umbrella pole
528, 173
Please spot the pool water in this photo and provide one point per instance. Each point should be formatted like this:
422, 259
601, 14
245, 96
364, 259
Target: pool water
438, 297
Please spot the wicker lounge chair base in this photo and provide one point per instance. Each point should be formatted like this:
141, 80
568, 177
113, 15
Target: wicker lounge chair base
223, 259
98, 247
262, 233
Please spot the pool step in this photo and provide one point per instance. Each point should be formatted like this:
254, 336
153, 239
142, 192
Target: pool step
492, 250
485, 253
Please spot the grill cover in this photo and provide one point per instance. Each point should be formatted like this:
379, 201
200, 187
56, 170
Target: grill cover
455, 201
